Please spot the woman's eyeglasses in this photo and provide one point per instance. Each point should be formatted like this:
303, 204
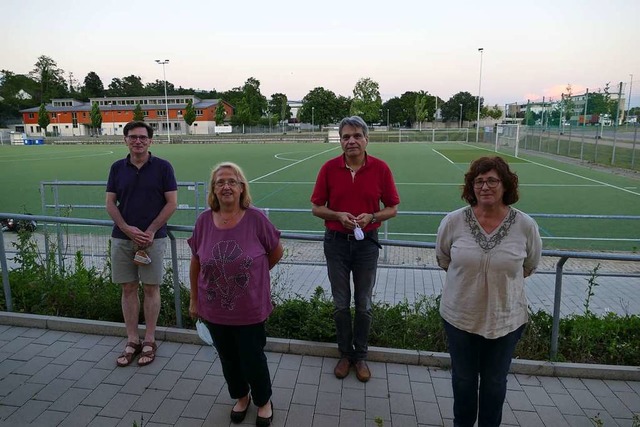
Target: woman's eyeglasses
230, 182
491, 183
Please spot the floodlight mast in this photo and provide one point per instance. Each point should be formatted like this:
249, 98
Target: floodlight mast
481, 50
166, 99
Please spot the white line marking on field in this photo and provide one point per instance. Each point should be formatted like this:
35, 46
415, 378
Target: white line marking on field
31, 159
438, 184
279, 156
292, 164
606, 184
445, 157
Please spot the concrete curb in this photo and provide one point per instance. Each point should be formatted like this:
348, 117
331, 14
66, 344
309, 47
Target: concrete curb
310, 348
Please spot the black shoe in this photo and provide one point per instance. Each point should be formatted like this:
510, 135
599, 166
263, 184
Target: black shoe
265, 422
238, 416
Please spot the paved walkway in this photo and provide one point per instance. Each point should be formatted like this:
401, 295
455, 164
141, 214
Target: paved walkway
55, 377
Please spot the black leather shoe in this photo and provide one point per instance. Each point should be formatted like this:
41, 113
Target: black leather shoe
265, 422
238, 416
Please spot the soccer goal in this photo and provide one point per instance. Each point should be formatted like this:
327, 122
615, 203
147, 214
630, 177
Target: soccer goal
434, 135
508, 139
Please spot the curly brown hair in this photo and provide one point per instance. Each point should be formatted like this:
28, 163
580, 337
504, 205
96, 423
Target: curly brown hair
483, 165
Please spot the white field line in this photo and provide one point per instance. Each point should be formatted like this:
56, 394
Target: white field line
292, 164
32, 159
606, 184
436, 184
445, 157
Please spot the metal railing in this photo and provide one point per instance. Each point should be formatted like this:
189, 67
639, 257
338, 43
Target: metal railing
562, 255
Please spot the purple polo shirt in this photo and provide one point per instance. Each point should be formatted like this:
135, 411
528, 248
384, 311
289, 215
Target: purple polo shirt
140, 192
234, 285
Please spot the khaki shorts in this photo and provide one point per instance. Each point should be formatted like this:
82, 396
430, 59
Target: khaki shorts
124, 270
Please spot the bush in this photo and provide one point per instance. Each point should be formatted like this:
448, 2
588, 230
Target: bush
40, 286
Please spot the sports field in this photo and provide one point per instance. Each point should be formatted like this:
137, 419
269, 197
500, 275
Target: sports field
282, 176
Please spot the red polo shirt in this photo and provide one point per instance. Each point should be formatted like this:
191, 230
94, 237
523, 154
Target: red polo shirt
339, 191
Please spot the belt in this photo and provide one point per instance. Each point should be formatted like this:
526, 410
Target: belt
369, 235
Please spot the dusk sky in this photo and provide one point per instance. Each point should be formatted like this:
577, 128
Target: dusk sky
531, 49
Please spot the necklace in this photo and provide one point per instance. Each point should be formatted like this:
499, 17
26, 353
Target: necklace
225, 221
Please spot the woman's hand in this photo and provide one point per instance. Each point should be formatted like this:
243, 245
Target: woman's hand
193, 309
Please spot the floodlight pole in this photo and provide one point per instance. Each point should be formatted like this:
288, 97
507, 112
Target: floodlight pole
387, 120
481, 50
629, 100
166, 99
313, 111
460, 116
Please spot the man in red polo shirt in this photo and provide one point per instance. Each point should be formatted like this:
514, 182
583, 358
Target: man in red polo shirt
348, 194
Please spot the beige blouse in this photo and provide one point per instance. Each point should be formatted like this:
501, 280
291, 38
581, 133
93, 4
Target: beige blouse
484, 286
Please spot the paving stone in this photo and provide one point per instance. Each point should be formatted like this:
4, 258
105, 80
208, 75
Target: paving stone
518, 401
196, 370
27, 412
402, 404
285, 378
328, 403
397, 368
527, 380
537, 396
8, 366
305, 394
377, 387
119, 405
329, 383
312, 361
630, 399
298, 416
188, 348
52, 391
198, 406
440, 373
99, 421
96, 353
27, 352
604, 416
423, 392
349, 418
101, 395
120, 376
178, 362
80, 416
69, 400
442, 387
15, 345
428, 413
211, 385
184, 389
219, 416
598, 388
399, 383
21, 395
149, 401
615, 407
352, 399
618, 385
378, 407
527, 419
551, 416
48, 337
32, 366
573, 383
585, 399
50, 418
87, 341
165, 380
566, 404
553, 385
290, 361
76, 370
139, 417
169, 411
446, 406
188, 422
419, 374
404, 420
92, 378
206, 354
309, 375
322, 420
512, 383
47, 374
69, 356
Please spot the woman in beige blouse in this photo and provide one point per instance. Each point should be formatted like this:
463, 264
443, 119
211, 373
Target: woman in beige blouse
487, 249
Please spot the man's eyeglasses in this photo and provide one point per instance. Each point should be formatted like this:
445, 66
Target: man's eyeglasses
141, 138
356, 136
491, 183
230, 182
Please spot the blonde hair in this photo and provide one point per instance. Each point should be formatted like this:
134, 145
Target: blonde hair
245, 196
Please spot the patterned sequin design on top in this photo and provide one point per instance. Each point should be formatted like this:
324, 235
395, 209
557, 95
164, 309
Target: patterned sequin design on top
221, 284
478, 235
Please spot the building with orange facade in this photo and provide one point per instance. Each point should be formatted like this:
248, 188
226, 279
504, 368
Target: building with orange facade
70, 117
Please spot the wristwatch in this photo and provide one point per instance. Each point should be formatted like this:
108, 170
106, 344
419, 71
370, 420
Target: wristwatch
373, 218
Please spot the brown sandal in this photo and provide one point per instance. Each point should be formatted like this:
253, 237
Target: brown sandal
137, 348
151, 354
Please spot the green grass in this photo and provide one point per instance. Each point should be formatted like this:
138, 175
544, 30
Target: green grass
282, 176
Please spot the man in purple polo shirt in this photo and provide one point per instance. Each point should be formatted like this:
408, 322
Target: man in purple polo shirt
348, 193
142, 194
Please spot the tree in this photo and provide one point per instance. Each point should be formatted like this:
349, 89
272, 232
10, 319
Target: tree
323, 103
252, 105
93, 87
221, 113
50, 78
396, 115
494, 112
127, 86
366, 100
43, 118
96, 117
190, 114
138, 115
157, 88
408, 101
17, 91
451, 109
279, 108
567, 102
421, 108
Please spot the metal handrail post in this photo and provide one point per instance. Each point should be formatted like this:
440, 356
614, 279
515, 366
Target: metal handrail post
557, 299
5, 274
176, 279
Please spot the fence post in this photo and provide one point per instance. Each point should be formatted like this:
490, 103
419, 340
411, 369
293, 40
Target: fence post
557, 299
176, 279
5, 274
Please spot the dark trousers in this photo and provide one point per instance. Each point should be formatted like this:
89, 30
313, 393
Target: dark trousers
472, 356
244, 364
346, 256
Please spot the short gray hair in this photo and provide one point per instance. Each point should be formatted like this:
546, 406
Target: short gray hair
355, 121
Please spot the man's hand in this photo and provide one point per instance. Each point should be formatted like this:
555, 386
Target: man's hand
137, 236
347, 220
364, 219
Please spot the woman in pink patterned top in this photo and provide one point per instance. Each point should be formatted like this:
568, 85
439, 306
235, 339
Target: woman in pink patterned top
233, 247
